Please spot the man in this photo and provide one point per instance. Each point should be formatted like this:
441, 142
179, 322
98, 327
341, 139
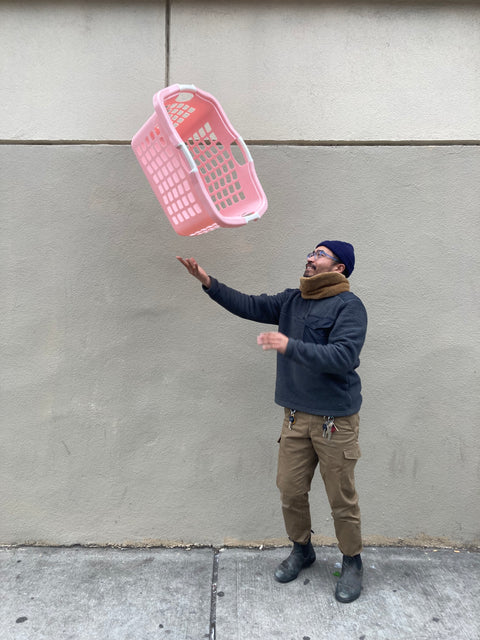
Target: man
321, 332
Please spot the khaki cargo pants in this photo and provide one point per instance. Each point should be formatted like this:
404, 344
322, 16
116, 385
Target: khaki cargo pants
302, 447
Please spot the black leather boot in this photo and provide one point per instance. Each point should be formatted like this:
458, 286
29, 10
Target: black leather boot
302, 555
349, 585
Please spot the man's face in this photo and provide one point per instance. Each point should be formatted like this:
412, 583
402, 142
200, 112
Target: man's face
322, 264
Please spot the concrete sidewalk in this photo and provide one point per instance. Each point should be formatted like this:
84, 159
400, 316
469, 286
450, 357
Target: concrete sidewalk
180, 594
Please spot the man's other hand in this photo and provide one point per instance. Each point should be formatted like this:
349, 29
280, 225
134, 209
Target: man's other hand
273, 340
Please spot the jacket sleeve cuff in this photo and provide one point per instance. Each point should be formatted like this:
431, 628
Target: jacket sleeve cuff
290, 348
213, 286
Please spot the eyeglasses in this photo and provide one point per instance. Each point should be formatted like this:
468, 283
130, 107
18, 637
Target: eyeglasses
320, 253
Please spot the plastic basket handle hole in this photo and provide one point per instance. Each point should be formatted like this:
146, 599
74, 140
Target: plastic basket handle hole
184, 96
237, 153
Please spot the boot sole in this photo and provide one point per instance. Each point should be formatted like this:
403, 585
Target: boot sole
347, 600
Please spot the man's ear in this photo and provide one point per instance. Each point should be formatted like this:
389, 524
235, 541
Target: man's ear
340, 267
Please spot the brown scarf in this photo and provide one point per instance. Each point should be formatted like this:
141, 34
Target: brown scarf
324, 285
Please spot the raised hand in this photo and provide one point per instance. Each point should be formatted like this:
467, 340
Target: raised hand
196, 270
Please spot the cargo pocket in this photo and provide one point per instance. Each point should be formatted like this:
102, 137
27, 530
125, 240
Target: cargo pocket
352, 453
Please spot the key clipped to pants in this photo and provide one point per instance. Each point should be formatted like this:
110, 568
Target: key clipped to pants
329, 427
291, 418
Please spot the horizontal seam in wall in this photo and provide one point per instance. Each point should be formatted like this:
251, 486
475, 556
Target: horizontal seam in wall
362, 143
269, 143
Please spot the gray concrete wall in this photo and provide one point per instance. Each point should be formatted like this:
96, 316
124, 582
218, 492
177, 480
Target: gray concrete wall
134, 410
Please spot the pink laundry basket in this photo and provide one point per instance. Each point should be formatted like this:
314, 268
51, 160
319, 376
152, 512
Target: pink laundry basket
196, 163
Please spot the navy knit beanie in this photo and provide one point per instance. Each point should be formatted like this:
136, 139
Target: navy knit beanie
343, 251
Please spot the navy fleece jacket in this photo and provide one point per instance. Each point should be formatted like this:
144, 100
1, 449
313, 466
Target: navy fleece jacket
317, 374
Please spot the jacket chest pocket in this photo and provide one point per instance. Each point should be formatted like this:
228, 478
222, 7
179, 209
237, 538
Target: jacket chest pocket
317, 329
